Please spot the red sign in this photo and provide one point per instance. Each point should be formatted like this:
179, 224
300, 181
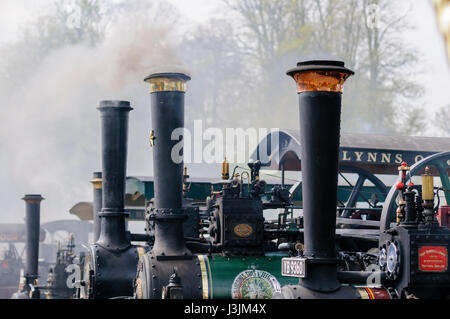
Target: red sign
433, 258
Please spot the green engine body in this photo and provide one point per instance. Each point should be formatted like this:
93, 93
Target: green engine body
242, 277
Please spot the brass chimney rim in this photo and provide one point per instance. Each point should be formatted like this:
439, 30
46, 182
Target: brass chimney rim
167, 82
320, 75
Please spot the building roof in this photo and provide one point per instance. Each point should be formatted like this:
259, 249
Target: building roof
379, 154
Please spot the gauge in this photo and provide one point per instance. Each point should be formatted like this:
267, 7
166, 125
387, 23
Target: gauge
393, 258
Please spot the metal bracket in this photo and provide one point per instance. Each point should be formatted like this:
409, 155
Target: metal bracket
152, 138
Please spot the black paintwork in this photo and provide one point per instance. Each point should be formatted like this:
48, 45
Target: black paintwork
32, 219
113, 250
97, 206
320, 114
169, 252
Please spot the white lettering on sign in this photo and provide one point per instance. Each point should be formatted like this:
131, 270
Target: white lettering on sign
418, 158
372, 157
345, 158
293, 267
385, 158
358, 156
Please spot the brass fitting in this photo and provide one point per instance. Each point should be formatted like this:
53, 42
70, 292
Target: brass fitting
167, 82
225, 169
97, 182
427, 185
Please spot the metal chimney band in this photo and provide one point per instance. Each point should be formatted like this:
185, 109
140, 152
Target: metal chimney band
167, 82
328, 76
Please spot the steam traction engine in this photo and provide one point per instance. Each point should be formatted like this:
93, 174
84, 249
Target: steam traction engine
226, 249
58, 274
239, 254
413, 254
236, 260
111, 263
239, 258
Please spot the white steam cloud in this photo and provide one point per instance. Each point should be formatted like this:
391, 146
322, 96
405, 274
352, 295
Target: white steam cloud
50, 127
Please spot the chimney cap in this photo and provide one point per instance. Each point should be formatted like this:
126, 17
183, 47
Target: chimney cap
33, 198
167, 82
115, 103
320, 65
168, 75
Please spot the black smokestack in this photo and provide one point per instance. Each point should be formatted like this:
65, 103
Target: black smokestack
320, 91
167, 109
114, 118
33, 216
97, 202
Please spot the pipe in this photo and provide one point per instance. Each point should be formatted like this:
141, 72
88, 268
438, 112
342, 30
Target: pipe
114, 118
410, 208
33, 214
111, 267
320, 85
170, 254
167, 109
97, 203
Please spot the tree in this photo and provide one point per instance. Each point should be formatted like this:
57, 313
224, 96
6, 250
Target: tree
219, 83
364, 34
51, 80
442, 119
70, 22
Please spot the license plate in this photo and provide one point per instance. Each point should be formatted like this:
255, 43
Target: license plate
293, 267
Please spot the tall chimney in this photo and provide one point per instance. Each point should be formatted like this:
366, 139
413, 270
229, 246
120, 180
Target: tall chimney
33, 216
112, 261
167, 108
114, 118
320, 85
97, 203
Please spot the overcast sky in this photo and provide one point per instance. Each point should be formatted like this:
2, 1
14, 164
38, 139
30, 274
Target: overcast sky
15, 13
431, 44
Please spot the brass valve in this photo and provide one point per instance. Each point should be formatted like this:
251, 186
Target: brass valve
427, 185
428, 196
225, 169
